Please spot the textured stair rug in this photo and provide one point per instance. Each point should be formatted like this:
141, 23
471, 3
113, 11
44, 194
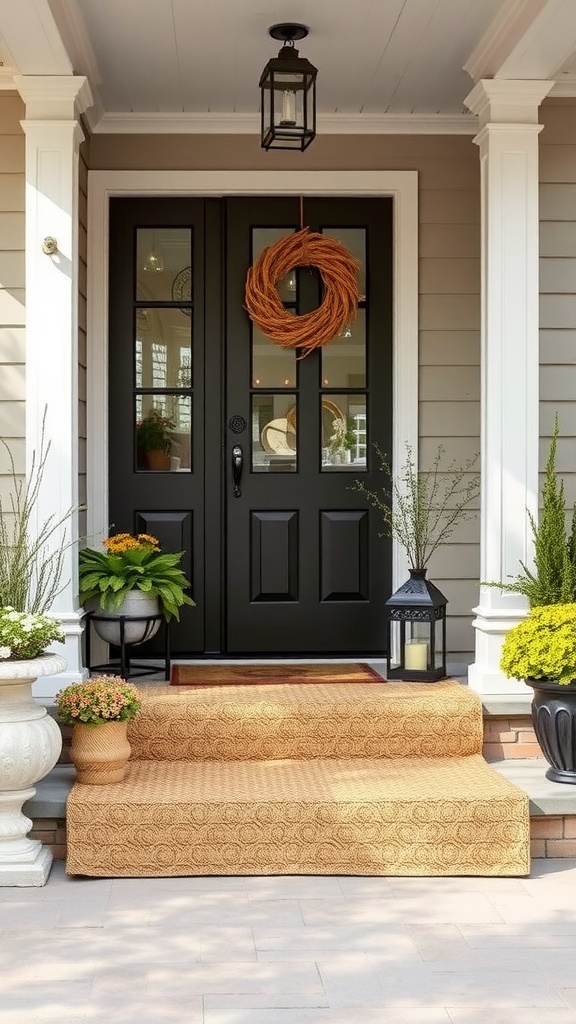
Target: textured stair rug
342, 779
248, 675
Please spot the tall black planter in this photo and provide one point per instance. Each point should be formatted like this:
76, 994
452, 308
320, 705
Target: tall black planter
554, 721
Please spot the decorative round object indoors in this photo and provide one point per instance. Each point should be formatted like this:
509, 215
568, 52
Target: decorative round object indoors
136, 604
100, 752
339, 305
182, 288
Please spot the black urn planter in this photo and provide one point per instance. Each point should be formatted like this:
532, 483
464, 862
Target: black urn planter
554, 721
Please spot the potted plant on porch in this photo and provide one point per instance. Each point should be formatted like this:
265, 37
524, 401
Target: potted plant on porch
421, 509
99, 711
132, 577
31, 567
541, 649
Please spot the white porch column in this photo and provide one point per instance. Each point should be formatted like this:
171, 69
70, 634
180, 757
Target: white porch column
53, 137
508, 143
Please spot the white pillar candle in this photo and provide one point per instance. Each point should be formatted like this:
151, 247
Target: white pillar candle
416, 655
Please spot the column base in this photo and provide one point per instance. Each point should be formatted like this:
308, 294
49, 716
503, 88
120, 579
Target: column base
485, 675
29, 872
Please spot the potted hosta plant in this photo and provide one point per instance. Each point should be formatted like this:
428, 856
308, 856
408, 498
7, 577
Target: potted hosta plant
132, 577
99, 711
541, 650
154, 439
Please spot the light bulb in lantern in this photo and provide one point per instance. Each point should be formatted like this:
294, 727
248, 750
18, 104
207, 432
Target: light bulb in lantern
288, 108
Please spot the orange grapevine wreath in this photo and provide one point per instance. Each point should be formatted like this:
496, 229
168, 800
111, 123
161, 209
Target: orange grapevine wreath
339, 306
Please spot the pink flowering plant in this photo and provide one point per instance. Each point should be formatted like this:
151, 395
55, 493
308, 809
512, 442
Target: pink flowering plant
25, 635
99, 700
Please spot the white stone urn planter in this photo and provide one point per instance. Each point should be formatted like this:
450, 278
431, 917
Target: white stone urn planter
30, 745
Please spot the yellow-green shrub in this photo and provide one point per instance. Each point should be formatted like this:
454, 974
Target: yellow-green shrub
542, 646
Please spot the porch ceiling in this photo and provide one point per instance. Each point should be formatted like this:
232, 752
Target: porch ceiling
195, 64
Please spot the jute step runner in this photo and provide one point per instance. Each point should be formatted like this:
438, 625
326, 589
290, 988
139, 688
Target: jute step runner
303, 779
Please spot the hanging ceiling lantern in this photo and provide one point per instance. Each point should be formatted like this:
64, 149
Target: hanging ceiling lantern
288, 94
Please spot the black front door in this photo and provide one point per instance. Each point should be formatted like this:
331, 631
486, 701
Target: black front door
263, 448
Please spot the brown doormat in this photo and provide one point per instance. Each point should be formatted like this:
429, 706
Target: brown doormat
241, 675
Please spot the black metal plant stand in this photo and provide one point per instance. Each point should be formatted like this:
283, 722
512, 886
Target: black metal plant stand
128, 668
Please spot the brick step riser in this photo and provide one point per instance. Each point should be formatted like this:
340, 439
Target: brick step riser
508, 738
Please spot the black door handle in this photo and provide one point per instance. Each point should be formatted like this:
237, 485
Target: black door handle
237, 466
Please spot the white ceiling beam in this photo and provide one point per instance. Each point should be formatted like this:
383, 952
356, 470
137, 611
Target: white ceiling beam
249, 124
529, 39
32, 40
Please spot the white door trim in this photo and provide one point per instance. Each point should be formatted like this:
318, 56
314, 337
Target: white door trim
402, 186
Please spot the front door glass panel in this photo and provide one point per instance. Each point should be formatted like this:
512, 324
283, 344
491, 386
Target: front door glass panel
163, 350
163, 433
274, 447
343, 419
344, 359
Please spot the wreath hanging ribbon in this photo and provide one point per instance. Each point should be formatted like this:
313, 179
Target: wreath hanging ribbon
338, 270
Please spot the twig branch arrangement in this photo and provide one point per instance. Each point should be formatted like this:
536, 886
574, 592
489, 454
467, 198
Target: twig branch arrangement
422, 509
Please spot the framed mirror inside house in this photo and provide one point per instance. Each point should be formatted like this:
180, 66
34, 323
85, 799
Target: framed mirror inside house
233, 449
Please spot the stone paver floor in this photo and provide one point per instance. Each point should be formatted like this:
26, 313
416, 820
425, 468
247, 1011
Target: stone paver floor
299, 950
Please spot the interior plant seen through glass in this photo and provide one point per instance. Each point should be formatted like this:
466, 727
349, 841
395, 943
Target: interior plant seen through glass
343, 436
163, 433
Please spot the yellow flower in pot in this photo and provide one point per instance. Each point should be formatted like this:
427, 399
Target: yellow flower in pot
541, 650
99, 711
135, 578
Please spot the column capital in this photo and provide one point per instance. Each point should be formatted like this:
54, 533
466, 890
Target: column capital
504, 101
54, 97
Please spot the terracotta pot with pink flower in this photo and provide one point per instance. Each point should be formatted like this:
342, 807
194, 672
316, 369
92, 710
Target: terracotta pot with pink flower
99, 711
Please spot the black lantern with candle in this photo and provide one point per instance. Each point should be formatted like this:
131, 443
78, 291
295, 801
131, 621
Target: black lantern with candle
420, 610
288, 94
